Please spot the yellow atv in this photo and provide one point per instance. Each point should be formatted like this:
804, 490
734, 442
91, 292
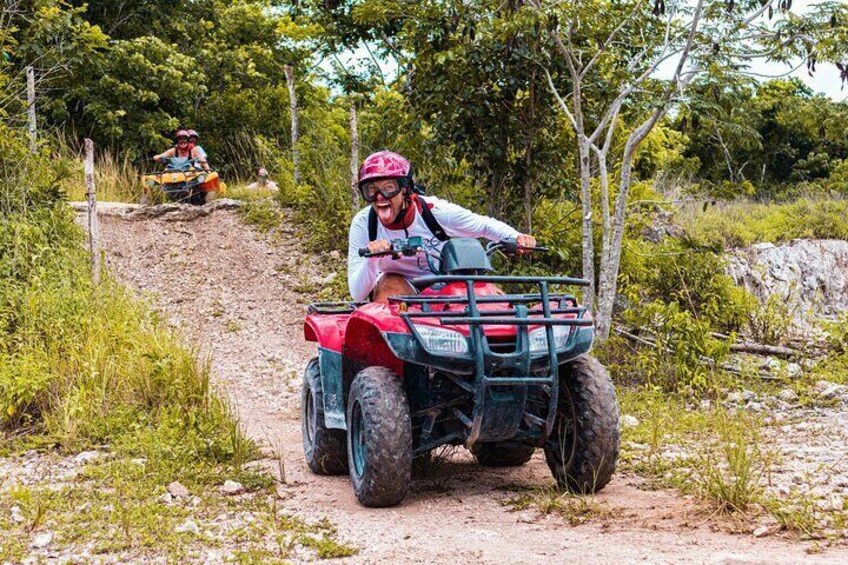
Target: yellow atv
184, 181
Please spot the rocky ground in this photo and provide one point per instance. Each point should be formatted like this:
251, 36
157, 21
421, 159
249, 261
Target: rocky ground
241, 296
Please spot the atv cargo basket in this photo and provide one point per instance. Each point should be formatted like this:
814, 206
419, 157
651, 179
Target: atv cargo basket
490, 366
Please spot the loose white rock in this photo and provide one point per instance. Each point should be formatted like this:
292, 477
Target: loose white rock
232, 487
86, 457
836, 503
189, 526
15, 515
829, 390
166, 498
177, 490
735, 397
42, 540
762, 531
628, 421
787, 395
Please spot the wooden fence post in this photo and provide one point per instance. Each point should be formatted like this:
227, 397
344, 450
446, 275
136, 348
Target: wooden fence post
31, 124
93, 224
354, 162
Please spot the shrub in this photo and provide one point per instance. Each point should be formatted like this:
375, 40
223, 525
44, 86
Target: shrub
729, 473
679, 352
693, 277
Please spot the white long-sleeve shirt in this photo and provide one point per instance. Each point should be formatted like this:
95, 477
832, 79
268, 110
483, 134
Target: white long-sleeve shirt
363, 273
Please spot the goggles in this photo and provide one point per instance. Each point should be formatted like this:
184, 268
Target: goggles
389, 188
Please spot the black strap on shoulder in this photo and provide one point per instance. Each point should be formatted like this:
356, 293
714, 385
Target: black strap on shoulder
372, 225
432, 224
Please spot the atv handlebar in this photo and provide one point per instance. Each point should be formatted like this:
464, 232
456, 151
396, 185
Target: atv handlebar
413, 245
399, 248
511, 247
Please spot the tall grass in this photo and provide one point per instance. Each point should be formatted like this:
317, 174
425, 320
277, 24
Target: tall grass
730, 472
86, 364
117, 177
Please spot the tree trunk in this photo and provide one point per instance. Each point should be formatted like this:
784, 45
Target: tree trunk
588, 228
31, 122
294, 122
354, 162
613, 262
528, 162
604, 280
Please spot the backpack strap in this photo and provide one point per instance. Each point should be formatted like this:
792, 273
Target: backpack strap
426, 214
432, 223
372, 225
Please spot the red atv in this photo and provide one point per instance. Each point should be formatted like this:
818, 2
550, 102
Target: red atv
461, 363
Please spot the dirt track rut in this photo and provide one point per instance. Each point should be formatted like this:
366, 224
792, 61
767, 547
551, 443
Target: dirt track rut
234, 294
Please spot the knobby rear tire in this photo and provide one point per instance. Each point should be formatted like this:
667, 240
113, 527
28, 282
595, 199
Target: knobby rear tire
324, 449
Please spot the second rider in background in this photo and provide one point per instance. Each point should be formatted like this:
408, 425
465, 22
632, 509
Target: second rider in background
184, 151
396, 211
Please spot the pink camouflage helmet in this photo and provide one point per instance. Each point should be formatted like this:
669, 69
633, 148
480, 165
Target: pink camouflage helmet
386, 164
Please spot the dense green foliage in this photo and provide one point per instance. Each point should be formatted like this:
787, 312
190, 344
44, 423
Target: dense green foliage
777, 135
740, 224
128, 74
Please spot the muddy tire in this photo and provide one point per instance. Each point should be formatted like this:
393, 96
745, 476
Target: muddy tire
379, 438
324, 449
502, 454
583, 448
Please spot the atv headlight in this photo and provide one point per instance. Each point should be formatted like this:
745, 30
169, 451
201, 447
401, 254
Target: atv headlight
150, 182
439, 340
539, 340
201, 179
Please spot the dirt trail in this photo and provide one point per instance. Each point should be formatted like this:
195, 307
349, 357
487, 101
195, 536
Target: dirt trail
235, 294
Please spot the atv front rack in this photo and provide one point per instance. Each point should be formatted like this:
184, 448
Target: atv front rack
487, 363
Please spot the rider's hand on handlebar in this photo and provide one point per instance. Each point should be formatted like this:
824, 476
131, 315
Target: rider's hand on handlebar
524, 240
380, 246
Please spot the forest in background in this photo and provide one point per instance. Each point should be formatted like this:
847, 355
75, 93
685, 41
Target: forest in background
479, 106
486, 105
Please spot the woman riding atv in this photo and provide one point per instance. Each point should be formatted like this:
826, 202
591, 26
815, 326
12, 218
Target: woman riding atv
396, 211
184, 151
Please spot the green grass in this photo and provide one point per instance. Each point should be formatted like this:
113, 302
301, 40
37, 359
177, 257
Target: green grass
263, 214
113, 510
575, 509
738, 224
